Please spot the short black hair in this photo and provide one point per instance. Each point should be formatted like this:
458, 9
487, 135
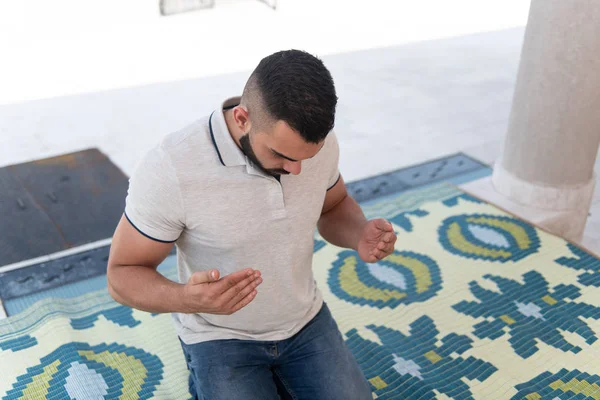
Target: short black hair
296, 87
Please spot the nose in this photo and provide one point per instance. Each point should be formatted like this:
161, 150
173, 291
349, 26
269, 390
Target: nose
293, 167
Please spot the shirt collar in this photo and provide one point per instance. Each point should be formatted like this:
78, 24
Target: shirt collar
228, 151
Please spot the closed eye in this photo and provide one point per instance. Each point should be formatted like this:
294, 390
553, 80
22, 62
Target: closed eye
277, 154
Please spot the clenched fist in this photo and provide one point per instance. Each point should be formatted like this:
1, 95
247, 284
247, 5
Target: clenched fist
377, 240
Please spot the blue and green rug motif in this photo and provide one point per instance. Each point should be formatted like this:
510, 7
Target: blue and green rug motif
108, 371
488, 237
403, 277
414, 365
564, 384
531, 312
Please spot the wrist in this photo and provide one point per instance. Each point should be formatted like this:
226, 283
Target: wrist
360, 231
183, 299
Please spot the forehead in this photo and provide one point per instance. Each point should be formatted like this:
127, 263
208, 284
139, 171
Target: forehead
285, 140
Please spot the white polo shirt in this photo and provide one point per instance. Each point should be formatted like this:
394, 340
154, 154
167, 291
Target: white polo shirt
198, 189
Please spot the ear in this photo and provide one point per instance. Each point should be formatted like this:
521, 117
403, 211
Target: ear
241, 118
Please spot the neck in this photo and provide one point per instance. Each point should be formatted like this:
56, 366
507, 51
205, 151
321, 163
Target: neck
235, 132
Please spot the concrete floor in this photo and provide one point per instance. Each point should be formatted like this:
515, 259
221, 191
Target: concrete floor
398, 106
409, 89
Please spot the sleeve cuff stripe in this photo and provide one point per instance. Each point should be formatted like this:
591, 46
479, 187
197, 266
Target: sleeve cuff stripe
336, 182
148, 236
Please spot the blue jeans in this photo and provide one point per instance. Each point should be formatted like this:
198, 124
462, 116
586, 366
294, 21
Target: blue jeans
314, 364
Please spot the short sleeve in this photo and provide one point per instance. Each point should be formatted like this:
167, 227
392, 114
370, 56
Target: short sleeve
334, 156
154, 204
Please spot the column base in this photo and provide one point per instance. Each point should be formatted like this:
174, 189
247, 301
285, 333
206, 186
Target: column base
561, 211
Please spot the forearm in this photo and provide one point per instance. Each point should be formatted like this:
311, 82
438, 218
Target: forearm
145, 289
343, 224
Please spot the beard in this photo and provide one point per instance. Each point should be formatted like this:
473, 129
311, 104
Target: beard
249, 152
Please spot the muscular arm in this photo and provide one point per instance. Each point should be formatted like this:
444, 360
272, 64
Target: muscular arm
343, 224
133, 279
132, 276
342, 220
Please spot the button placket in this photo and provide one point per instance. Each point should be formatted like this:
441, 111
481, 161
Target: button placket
275, 191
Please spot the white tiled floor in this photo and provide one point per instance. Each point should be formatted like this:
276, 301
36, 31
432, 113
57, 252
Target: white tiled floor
405, 103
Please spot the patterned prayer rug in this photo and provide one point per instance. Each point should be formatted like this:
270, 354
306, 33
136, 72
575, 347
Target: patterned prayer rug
473, 304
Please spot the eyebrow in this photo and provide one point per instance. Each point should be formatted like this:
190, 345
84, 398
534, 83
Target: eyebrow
289, 158
281, 155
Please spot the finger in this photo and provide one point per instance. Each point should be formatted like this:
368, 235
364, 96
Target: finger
371, 259
238, 288
383, 225
241, 295
373, 251
199, 277
386, 243
388, 237
383, 246
378, 254
242, 289
229, 281
387, 251
244, 302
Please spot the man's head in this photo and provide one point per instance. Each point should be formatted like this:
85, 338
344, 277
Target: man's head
286, 112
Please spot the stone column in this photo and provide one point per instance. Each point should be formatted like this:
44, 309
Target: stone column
170, 7
554, 129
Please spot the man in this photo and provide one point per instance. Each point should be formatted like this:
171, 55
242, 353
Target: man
240, 193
